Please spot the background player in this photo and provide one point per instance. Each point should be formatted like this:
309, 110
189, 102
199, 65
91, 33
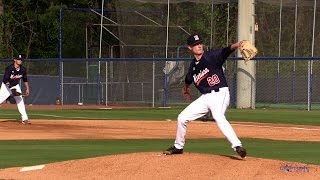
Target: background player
206, 72
11, 79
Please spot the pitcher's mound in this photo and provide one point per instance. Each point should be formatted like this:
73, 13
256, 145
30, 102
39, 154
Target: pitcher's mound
154, 165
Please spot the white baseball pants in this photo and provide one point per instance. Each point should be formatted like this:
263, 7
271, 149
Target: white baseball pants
5, 92
217, 103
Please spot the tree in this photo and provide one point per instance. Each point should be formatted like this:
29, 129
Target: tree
31, 27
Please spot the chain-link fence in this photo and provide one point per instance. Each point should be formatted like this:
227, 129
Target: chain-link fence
147, 84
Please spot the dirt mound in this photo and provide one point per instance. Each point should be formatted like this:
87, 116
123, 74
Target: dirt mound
153, 165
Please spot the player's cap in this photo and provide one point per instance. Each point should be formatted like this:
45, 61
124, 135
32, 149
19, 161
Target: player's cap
19, 57
194, 39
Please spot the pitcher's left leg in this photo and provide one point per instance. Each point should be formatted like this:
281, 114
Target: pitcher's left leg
193, 111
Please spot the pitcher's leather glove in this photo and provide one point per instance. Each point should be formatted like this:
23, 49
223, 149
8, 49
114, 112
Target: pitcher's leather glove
247, 50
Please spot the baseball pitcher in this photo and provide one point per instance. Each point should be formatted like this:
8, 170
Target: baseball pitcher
10, 86
206, 73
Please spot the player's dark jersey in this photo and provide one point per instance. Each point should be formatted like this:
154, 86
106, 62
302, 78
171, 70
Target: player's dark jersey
13, 75
207, 74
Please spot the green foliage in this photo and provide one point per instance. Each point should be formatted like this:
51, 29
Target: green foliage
47, 38
74, 27
198, 20
31, 27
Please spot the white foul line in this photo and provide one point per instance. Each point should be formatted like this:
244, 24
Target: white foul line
67, 117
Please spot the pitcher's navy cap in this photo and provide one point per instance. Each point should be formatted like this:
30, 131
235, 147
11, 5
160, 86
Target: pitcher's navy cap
19, 57
194, 39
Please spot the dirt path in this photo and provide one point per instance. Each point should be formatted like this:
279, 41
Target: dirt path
121, 129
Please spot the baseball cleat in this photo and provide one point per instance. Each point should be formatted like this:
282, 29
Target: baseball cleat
173, 150
241, 151
25, 122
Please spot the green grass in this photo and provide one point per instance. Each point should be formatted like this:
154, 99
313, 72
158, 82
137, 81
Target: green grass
123, 114
285, 116
275, 116
295, 151
301, 106
35, 152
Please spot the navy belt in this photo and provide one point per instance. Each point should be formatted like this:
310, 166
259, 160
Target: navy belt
216, 90
209, 91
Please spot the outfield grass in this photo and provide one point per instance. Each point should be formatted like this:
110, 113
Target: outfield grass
35, 152
243, 115
282, 116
